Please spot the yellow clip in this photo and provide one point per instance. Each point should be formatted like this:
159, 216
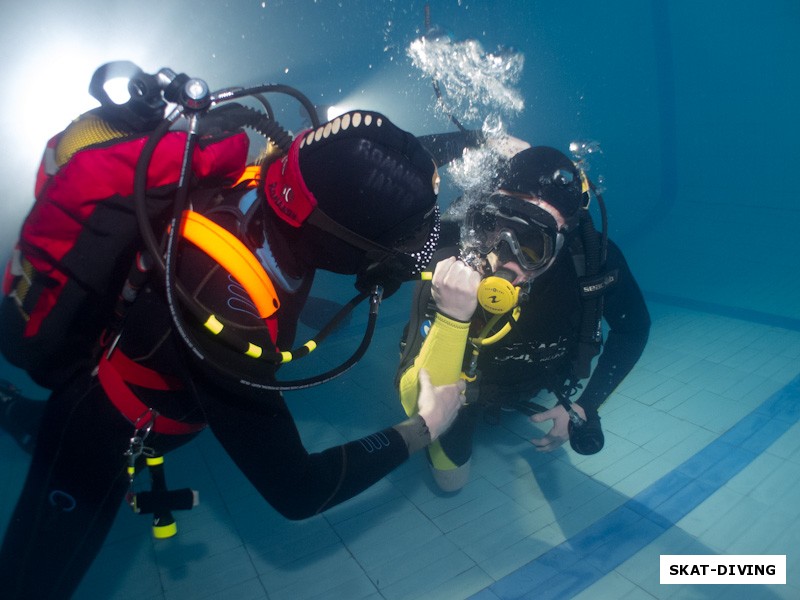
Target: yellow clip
152, 461
163, 532
254, 351
213, 324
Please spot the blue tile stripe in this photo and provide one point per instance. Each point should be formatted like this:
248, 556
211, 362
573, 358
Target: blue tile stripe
572, 566
734, 312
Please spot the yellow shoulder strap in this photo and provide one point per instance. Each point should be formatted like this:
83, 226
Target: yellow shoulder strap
86, 130
234, 257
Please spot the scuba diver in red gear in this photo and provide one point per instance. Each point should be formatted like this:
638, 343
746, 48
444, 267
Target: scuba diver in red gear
521, 285
196, 341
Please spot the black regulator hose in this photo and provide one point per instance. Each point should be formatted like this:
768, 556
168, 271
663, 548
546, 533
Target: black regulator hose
238, 115
591, 245
234, 94
177, 297
140, 190
595, 246
165, 261
173, 236
603, 222
267, 382
375, 300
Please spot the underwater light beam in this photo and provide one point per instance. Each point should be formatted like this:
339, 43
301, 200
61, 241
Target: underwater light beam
393, 91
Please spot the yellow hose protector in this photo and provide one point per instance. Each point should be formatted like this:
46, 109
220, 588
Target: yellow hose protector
441, 355
482, 340
234, 257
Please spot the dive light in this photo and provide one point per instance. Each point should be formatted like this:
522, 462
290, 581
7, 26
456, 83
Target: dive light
160, 501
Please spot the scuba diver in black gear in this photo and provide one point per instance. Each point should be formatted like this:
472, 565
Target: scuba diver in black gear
356, 195
522, 280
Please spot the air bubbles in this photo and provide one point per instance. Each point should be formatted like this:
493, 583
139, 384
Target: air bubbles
475, 169
493, 126
587, 153
562, 177
582, 148
472, 82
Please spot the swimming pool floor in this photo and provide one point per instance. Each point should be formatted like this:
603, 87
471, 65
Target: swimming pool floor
702, 456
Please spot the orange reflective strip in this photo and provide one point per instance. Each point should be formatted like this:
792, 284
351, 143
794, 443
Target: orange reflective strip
234, 257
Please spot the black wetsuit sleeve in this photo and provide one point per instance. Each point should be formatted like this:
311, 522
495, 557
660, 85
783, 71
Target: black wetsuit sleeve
255, 426
263, 440
628, 320
447, 147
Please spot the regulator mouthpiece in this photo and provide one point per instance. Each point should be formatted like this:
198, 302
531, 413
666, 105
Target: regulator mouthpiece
497, 294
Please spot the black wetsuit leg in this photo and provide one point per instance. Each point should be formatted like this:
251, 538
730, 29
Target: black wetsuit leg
20, 416
489, 400
73, 490
457, 441
75, 486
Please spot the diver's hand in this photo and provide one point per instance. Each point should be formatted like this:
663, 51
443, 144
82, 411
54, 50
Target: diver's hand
559, 433
439, 405
455, 289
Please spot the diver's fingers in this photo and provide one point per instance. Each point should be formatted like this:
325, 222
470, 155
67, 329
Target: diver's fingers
455, 289
544, 416
544, 444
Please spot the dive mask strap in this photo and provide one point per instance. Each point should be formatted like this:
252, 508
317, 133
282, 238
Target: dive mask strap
322, 221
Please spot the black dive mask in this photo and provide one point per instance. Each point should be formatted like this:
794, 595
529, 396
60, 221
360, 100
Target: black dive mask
514, 229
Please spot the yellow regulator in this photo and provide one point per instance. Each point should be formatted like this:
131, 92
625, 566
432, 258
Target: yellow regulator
497, 295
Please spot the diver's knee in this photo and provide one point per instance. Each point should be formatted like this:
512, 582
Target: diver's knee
452, 480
